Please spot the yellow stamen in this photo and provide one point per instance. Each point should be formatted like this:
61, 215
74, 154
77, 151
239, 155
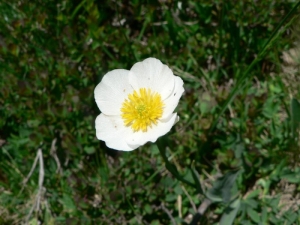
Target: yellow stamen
142, 109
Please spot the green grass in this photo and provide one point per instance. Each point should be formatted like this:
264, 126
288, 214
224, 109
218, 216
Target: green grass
236, 146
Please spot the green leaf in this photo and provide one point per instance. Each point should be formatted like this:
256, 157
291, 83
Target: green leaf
196, 178
89, 149
170, 167
33, 221
253, 215
222, 187
291, 217
251, 202
230, 212
68, 203
253, 194
148, 209
264, 215
292, 178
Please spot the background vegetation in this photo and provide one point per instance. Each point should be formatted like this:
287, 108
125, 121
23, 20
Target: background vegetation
236, 146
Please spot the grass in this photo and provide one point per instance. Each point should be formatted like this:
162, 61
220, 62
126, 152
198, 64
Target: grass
231, 159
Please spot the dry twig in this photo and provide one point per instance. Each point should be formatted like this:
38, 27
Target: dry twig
200, 211
54, 155
168, 213
41, 189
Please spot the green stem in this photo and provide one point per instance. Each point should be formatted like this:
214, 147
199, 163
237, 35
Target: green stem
171, 168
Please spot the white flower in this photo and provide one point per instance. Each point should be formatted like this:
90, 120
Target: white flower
137, 105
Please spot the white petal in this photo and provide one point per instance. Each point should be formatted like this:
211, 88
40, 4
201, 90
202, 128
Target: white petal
162, 127
172, 101
111, 92
111, 130
151, 73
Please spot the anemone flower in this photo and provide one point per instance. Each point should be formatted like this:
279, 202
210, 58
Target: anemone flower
137, 105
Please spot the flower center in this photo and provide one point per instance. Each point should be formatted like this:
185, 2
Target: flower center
142, 109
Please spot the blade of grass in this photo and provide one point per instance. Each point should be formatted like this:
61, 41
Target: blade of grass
295, 108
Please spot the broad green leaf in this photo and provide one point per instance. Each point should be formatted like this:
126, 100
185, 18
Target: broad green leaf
68, 203
292, 178
148, 209
253, 194
264, 215
291, 217
251, 202
222, 188
253, 215
230, 212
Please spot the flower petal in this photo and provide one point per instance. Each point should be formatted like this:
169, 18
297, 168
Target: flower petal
151, 73
111, 130
162, 127
111, 92
172, 101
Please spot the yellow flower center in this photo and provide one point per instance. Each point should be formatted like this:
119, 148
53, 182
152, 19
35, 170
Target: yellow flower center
142, 109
